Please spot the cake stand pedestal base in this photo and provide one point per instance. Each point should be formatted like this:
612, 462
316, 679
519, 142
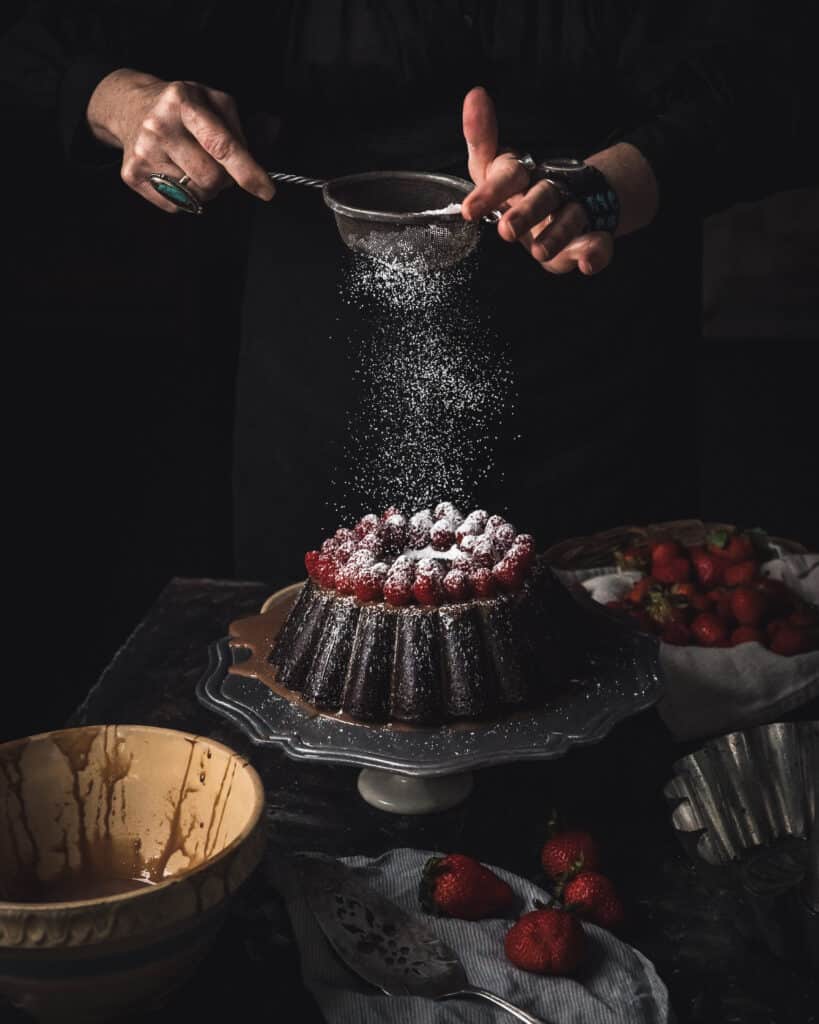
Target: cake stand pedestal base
408, 794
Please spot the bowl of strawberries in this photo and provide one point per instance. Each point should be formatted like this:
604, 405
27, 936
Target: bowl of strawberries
736, 611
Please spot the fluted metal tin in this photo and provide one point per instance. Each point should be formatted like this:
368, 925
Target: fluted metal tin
744, 806
746, 789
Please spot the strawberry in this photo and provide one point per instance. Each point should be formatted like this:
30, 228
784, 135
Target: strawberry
457, 586
640, 591
483, 582
446, 510
504, 537
709, 629
632, 558
773, 626
369, 582
665, 550
419, 526
509, 574
720, 598
740, 548
663, 609
804, 616
460, 886
676, 570
427, 589
789, 640
442, 535
708, 567
777, 592
311, 559
483, 553
692, 596
741, 573
546, 941
594, 897
524, 542
716, 540
388, 513
677, 633
398, 590
746, 635
326, 571
748, 606
566, 852
366, 524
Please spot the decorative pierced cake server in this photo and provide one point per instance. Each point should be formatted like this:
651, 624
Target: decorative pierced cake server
384, 945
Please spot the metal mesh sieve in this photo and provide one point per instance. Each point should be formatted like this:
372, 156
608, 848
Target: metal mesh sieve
390, 215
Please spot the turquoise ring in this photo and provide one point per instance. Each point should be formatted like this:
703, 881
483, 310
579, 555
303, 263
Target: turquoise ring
174, 190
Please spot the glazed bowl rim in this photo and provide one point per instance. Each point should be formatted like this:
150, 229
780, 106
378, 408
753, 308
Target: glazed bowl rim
67, 906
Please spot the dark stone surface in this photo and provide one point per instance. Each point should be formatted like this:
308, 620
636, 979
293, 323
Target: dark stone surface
681, 919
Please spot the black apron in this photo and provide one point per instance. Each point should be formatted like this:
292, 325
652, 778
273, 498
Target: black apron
603, 431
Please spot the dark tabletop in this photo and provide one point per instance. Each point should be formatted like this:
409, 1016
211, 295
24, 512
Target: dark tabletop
684, 922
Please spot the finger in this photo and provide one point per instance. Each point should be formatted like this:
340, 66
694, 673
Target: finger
480, 125
565, 224
504, 179
214, 136
207, 177
530, 210
141, 161
589, 253
137, 180
226, 106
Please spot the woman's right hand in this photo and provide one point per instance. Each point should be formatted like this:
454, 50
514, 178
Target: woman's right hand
174, 128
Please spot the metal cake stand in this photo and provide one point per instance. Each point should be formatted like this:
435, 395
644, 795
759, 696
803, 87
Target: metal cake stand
420, 770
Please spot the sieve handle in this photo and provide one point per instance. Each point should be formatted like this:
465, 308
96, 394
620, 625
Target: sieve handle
296, 179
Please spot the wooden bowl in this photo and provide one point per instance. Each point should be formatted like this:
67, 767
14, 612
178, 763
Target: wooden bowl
119, 848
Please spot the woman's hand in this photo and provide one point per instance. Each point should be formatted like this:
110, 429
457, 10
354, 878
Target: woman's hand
555, 233
174, 128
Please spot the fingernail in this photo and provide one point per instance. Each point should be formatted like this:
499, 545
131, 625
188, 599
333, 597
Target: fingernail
542, 253
267, 192
513, 226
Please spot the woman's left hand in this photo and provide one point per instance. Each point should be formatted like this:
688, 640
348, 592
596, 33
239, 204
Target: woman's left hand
556, 234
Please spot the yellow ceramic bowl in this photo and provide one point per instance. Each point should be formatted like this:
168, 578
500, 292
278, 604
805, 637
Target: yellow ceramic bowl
119, 847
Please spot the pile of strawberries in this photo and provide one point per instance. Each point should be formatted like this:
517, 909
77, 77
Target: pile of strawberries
549, 939
715, 595
435, 556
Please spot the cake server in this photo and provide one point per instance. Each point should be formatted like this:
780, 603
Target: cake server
381, 943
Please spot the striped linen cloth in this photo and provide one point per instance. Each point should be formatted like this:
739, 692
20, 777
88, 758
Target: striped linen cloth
617, 985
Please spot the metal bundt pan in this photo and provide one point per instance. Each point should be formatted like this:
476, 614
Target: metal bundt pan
745, 790
743, 806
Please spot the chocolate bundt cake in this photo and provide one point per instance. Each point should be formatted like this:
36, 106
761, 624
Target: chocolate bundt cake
426, 620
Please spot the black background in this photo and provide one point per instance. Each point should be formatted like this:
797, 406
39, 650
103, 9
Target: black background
121, 328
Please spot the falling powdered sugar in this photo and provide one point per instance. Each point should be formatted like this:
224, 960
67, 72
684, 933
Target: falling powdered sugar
435, 384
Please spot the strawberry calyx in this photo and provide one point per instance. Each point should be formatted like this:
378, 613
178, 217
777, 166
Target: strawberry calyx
566, 876
426, 887
717, 538
629, 559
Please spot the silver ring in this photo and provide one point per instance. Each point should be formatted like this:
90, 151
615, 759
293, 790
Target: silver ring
176, 192
527, 162
558, 186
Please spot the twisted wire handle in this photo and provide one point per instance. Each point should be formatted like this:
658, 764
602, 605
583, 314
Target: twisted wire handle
296, 179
